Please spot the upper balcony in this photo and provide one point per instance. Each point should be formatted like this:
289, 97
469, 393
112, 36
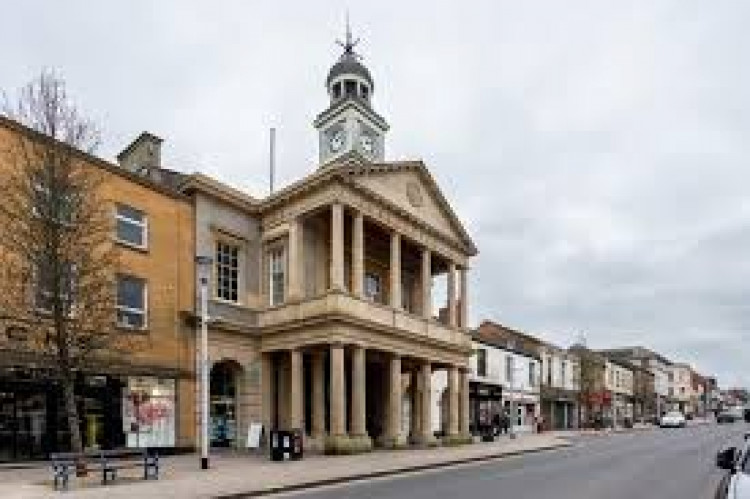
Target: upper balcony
344, 305
334, 261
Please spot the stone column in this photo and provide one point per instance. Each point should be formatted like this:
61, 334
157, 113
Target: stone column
268, 390
296, 267
359, 387
295, 392
338, 392
318, 395
425, 375
358, 255
416, 405
463, 417
396, 270
464, 310
337, 247
453, 394
451, 281
393, 433
426, 284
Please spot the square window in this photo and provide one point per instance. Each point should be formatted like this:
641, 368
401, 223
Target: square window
131, 302
131, 226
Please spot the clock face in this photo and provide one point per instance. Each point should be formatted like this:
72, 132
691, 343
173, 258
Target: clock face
336, 140
367, 142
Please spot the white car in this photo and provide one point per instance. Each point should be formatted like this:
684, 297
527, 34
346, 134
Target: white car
673, 419
736, 461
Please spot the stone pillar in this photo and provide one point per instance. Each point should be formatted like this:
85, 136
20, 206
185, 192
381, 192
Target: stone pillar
416, 406
318, 395
358, 255
425, 375
338, 392
451, 291
359, 387
426, 284
393, 432
268, 392
295, 392
464, 311
453, 394
296, 264
463, 417
396, 270
337, 247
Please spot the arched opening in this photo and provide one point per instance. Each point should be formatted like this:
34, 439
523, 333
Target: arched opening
224, 392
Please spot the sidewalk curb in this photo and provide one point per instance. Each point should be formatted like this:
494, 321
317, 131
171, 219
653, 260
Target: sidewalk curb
386, 473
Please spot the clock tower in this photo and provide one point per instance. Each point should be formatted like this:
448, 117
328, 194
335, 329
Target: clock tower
349, 124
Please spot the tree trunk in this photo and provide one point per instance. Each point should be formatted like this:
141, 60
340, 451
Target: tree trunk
71, 413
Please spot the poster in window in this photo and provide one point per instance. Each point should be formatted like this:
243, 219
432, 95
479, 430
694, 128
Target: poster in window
149, 412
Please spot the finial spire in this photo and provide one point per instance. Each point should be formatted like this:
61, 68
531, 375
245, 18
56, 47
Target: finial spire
348, 44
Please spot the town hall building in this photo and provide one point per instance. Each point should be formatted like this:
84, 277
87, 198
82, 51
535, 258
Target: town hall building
321, 309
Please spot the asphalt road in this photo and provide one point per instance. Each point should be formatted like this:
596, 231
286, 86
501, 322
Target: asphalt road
653, 464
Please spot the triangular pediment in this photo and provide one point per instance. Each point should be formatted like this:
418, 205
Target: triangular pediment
410, 187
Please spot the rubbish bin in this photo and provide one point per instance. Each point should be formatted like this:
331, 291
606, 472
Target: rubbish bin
286, 445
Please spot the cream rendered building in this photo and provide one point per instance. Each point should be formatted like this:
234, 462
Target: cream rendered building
321, 311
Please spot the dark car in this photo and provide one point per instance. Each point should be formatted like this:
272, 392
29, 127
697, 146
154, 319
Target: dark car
730, 415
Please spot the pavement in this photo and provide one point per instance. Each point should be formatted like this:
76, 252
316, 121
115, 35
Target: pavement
655, 463
639, 462
242, 475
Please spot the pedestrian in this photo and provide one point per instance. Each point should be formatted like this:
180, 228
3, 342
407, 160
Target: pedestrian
496, 424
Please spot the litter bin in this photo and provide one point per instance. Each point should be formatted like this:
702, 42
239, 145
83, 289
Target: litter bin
286, 445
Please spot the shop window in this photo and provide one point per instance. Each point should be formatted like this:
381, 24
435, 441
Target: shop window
482, 362
131, 302
132, 226
227, 271
149, 412
277, 277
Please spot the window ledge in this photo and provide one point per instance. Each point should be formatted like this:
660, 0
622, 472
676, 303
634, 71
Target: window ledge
131, 330
131, 246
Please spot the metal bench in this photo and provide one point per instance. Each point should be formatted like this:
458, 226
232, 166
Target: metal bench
109, 463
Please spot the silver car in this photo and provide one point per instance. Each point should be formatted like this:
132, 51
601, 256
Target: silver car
736, 461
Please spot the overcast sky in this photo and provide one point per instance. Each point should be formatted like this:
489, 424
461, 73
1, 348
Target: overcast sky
597, 151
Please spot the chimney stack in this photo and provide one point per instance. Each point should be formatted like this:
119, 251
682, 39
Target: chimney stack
143, 155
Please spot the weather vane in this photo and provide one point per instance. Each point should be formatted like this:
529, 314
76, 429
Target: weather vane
348, 44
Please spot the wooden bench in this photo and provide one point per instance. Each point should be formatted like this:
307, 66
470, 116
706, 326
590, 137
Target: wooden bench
109, 463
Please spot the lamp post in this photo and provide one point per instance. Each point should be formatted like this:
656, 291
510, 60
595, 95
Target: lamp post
203, 264
513, 409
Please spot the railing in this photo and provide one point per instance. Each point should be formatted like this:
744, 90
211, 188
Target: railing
363, 310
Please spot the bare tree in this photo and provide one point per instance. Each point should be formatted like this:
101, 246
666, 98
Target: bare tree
57, 258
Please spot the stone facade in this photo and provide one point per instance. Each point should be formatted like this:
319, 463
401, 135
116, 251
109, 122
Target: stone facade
332, 329
164, 347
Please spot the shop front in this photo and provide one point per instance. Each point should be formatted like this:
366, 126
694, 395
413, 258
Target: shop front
485, 406
114, 412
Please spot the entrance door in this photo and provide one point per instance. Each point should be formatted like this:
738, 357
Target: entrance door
223, 404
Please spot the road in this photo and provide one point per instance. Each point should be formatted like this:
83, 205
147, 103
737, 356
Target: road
653, 464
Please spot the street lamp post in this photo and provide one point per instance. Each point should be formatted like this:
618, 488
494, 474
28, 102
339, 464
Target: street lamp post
203, 264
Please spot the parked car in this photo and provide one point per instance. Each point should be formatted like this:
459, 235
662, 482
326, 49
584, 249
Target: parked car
673, 419
726, 417
736, 461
